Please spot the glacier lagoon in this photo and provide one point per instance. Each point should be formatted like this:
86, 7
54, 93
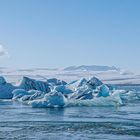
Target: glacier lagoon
85, 117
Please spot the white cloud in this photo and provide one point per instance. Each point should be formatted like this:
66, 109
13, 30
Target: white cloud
3, 51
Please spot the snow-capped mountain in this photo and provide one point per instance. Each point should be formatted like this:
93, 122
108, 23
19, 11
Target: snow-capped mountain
91, 68
108, 74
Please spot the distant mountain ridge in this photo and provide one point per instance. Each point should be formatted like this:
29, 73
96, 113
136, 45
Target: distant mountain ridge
91, 68
108, 74
73, 69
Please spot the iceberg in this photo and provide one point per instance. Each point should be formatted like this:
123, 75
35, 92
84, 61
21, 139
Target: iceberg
112, 100
2, 81
37, 95
128, 96
57, 93
85, 96
94, 82
53, 99
82, 93
103, 91
23, 95
56, 82
63, 89
86, 89
18, 93
6, 89
77, 83
29, 84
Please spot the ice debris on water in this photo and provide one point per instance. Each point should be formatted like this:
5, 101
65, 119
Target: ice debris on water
57, 93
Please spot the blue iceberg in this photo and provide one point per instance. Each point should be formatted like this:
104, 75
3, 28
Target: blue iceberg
29, 84
53, 99
57, 93
6, 89
103, 91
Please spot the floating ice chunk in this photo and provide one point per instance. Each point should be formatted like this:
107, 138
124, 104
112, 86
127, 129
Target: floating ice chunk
55, 82
81, 82
40, 103
63, 89
77, 83
6, 89
25, 98
91, 85
2, 80
31, 92
82, 94
28, 84
37, 95
86, 96
94, 82
112, 100
103, 91
54, 99
18, 93
111, 87
128, 96
22, 95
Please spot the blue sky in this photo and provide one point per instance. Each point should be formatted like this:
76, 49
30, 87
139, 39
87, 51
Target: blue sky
59, 33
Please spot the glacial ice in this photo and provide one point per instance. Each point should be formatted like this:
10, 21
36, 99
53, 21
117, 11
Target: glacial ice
29, 84
6, 89
37, 95
63, 89
77, 83
94, 82
103, 91
18, 93
2, 81
81, 92
112, 100
57, 93
53, 99
56, 82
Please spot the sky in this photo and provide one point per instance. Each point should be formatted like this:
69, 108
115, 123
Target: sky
60, 33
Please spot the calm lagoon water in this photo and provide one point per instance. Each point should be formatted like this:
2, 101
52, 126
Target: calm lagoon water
21, 122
